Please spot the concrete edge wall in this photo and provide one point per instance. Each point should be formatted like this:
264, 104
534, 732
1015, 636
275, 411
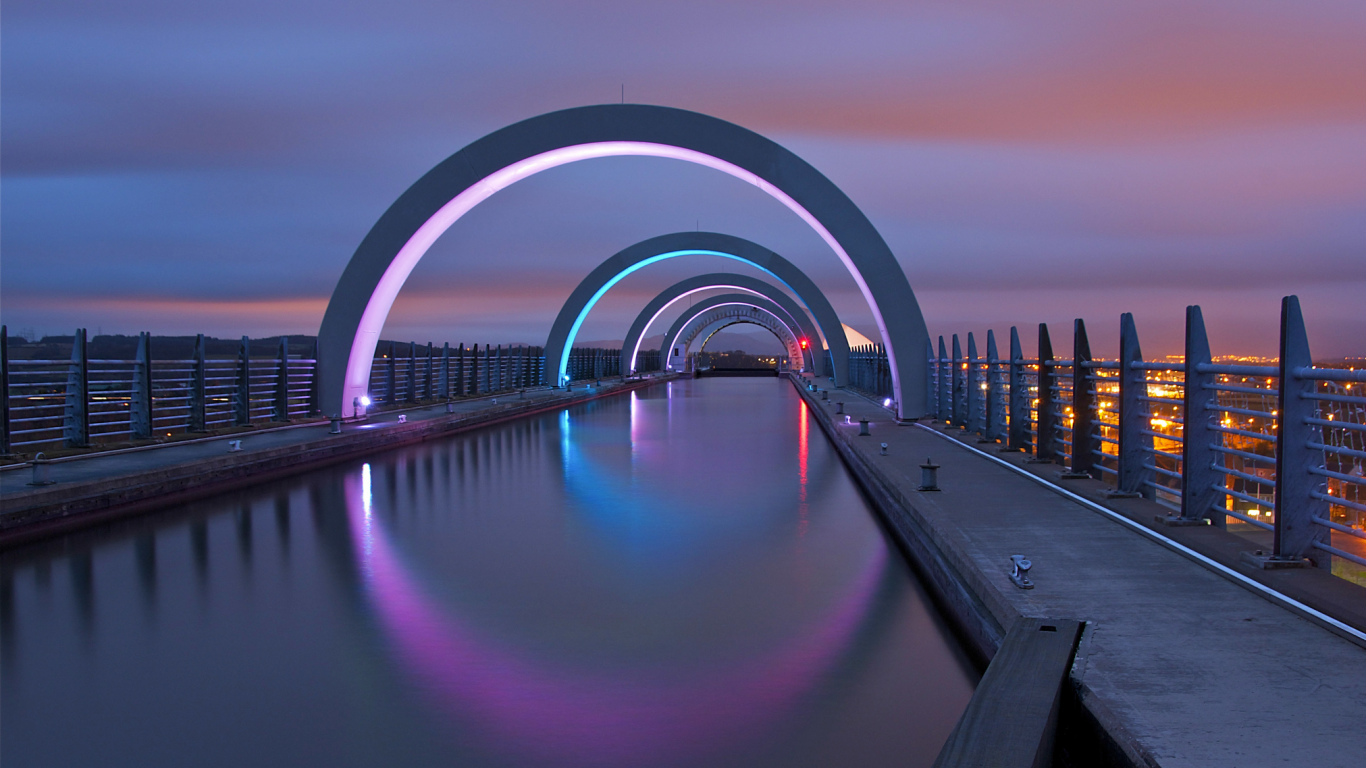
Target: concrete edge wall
1092, 734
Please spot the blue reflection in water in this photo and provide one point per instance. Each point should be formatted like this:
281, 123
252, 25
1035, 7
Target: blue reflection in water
683, 577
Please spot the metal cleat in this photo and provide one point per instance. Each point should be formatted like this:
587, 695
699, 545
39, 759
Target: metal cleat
929, 476
1019, 572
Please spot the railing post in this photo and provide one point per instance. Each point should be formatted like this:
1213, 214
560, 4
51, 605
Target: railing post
1045, 448
281, 410
1019, 396
972, 393
199, 388
996, 398
241, 401
140, 409
931, 374
1135, 445
1296, 506
460, 371
444, 380
429, 385
1083, 420
945, 388
476, 383
76, 413
1199, 460
960, 415
390, 377
4, 390
411, 394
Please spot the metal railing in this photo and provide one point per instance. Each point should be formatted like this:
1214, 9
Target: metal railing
869, 370
1277, 448
82, 402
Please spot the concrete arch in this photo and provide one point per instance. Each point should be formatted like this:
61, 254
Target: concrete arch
646, 252
716, 327
710, 310
372, 279
630, 347
703, 328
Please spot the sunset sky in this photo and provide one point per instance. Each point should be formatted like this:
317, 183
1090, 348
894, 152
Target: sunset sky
210, 167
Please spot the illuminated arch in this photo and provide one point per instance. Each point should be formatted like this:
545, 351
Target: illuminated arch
630, 347
703, 330
733, 306
646, 252
707, 332
372, 279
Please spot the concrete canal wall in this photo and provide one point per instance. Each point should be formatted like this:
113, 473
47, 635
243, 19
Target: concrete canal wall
1181, 662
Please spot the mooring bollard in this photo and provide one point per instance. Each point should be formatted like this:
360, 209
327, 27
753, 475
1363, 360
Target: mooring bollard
929, 476
403, 418
1019, 571
450, 407
884, 449
825, 394
42, 472
863, 427
839, 406
336, 426
234, 446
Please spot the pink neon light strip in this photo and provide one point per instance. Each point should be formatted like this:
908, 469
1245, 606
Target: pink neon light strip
377, 309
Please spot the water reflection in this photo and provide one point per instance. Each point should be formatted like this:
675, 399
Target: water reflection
686, 577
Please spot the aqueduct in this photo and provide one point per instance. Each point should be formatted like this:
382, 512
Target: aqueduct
396, 243
735, 307
630, 347
655, 249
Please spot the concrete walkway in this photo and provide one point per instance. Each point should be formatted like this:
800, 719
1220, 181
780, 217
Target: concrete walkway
1181, 665
91, 488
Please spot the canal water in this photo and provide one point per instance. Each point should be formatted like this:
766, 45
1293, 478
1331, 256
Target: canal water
686, 575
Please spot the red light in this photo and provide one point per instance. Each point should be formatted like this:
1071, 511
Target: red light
803, 343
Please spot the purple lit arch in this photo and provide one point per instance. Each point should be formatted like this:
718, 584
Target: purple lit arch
812, 357
367, 288
730, 308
